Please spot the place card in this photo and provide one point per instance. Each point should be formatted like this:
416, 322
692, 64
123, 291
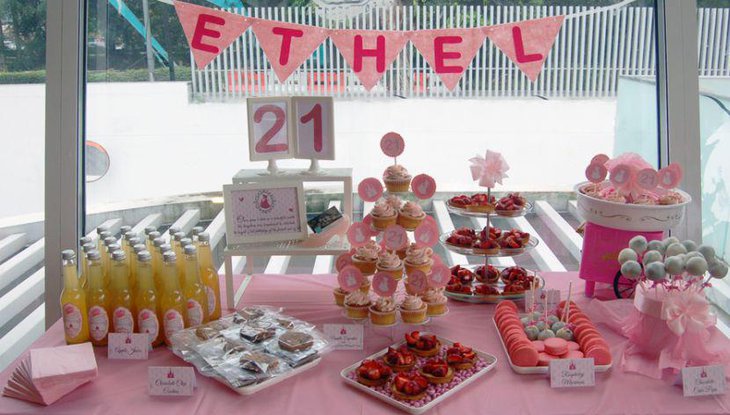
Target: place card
703, 380
345, 336
572, 373
553, 299
128, 346
171, 380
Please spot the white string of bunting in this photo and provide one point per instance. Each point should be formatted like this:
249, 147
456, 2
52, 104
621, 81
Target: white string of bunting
369, 53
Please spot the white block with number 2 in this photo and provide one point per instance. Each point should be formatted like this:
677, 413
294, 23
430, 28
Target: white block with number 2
270, 135
314, 120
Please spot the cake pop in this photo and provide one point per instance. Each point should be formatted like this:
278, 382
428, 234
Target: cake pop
718, 269
656, 246
638, 244
690, 245
532, 332
696, 266
565, 334
655, 271
546, 334
670, 240
627, 254
674, 265
631, 270
707, 251
652, 256
675, 249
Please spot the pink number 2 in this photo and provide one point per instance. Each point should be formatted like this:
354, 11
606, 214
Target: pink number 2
263, 145
315, 115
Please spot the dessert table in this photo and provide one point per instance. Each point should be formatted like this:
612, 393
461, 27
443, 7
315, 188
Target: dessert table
121, 386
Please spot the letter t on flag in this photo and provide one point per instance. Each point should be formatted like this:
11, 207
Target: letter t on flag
209, 31
287, 45
369, 52
527, 43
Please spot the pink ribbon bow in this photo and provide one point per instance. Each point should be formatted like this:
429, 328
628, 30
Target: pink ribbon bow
687, 311
489, 170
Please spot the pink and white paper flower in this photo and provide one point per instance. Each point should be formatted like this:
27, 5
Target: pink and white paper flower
490, 169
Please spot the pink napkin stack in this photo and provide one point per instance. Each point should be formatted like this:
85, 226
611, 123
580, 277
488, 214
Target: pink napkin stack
47, 375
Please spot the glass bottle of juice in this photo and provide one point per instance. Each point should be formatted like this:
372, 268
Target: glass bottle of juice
197, 230
146, 300
209, 276
73, 302
150, 240
183, 243
84, 278
172, 302
123, 230
101, 233
106, 254
149, 229
98, 301
171, 231
177, 249
109, 251
194, 290
121, 296
132, 241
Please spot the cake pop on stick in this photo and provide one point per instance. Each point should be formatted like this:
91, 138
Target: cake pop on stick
566, 307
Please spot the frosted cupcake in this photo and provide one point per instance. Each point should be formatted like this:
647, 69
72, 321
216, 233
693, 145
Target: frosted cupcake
418, 259
365, 257
357, 304
340, 295
411, 215
382, 313
397, 179
413, 310
390, 262
435, 302
383, 215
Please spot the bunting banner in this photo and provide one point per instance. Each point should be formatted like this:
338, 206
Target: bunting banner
369, 53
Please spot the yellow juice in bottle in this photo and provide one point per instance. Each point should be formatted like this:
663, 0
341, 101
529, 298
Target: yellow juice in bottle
209, 276
98, 301
106, 255
172, 302
150, 240
146, 300
73, 302
177, 249
86, 248
110, 249
194, 290
101, 233
157, 261
181, 275
122, 302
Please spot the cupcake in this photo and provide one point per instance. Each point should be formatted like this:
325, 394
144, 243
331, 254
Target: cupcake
390, 262
418, 259
340, 295
435, 302
357, 304
397, 179
383, 215
365, 257
411, 215
413, 310
382, 313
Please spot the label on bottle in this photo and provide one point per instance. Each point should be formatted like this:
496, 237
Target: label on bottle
148, 323
211, 300
195, 313
173, 322
98, 323
123, 320
72, 320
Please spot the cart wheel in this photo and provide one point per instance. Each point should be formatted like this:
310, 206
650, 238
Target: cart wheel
622, 287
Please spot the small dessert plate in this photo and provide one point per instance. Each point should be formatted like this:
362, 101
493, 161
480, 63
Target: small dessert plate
503, 213
503, 252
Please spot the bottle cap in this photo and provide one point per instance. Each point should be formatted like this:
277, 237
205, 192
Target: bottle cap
165, 248
152, 235
93, 255
105, 235
88, 247
124, 229
186, 241
204, 237
134, 240
190, 249
85, 240
139, 248
172, 230
179, 235
149, 229
119, 255
144, 256
101, 228
197, 230
113, 247
68, 254
109, 240
158, 242
129, 235
169, 256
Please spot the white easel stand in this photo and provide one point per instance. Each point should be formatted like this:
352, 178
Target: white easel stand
314, 169
272, 168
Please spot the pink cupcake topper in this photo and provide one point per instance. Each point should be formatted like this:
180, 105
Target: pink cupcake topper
600, 159
358, 234
343, 260
392, 144
647, 179
439, 276
395, 237
350, 278
596, 172
424, 186
370, 189
670, 176
384, 284
426, 234
417, 281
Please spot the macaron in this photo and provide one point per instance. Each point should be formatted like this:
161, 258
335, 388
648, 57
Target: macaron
524, 356
601, 356
556, 346
589, 343
543, 359
583, 333
573, 346
539, 345
573, 354
509, 304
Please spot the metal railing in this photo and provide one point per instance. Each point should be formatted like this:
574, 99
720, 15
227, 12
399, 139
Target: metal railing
589, 54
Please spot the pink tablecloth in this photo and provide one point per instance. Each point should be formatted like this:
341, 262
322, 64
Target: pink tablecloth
121, 387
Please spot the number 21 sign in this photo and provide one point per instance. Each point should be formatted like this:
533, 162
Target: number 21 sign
291, 127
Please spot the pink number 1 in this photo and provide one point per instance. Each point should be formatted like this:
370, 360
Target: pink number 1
263, 145
315, 115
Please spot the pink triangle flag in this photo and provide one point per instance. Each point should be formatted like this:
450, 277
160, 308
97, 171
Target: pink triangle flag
448, 51
209, 31
527, 43
287, 45
369, 52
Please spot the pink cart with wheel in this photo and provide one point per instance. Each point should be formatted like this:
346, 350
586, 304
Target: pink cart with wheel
608, 229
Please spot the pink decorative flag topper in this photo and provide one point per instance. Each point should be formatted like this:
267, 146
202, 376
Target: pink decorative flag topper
490, 169
287, 45
527, 43
209, 31
369, 52
448, 51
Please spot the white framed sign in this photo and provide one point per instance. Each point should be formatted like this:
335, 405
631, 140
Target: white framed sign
262, 212
314, 127
270, 134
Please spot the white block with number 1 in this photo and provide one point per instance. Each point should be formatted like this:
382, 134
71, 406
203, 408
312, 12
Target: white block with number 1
314, 127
